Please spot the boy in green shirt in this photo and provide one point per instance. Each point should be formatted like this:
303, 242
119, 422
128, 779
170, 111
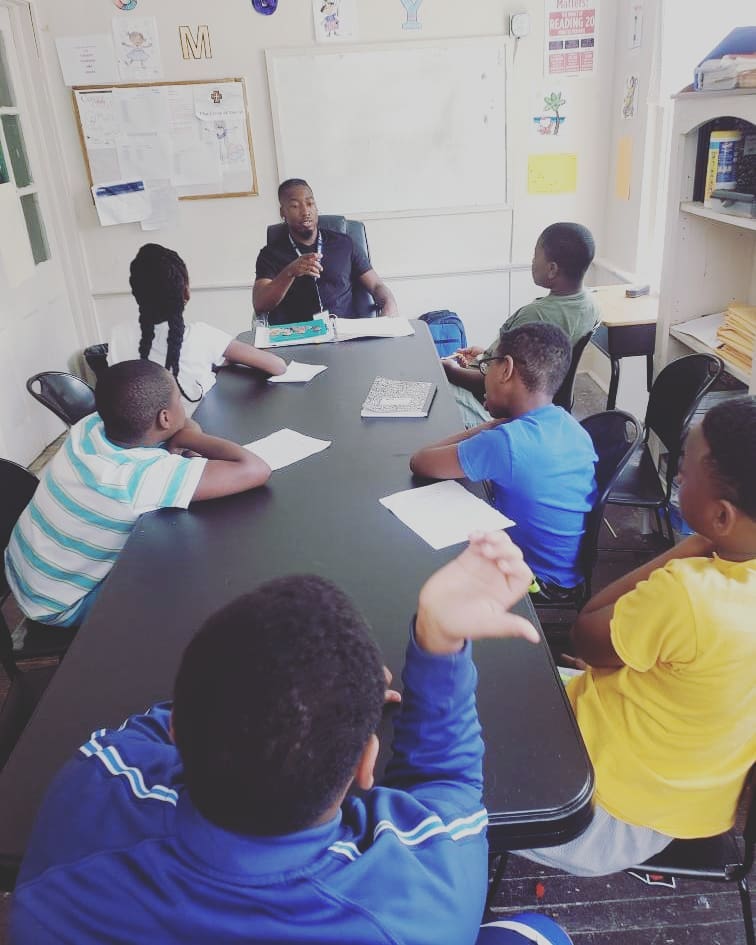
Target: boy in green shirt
561, 258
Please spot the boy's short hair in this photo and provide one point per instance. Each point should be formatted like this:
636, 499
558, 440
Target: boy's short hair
541, 353
129, 396
287, 185
570, 246
730, 432
275, 699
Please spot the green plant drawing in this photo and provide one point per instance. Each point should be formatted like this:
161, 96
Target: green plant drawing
553, 103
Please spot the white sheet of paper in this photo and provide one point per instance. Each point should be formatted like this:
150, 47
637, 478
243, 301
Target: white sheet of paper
103, 163
444, 513
347, 329
164, 205
146, 156
218, 102
98, 116
196, 167
16, 259
298, 373
286, 447
141, 110
704, 328
87, 60
121, 202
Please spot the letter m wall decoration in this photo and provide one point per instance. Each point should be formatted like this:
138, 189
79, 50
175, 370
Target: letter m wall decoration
198, 48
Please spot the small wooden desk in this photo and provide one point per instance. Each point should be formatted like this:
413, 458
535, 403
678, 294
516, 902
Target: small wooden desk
627, 329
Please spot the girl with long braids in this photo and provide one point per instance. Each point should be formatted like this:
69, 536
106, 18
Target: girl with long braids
190, 350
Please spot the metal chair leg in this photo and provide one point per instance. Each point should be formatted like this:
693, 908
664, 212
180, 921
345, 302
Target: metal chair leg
745, 902
493, 886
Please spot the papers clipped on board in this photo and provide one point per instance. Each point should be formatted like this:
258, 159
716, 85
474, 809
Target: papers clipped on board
444, 513
286, 447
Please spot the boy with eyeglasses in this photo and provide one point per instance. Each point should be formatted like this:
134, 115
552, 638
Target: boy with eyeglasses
540, 461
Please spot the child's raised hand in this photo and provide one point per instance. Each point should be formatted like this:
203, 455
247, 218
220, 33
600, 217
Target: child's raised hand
470, 597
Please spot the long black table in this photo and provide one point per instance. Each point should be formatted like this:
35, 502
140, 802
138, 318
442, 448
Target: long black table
321, 515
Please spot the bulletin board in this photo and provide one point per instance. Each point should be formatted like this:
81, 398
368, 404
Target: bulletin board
194, 134
394, 126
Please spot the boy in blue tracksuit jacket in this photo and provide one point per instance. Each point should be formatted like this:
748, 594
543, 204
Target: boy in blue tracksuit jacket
226, 819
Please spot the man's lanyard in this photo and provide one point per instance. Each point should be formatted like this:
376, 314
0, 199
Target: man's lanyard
319, 251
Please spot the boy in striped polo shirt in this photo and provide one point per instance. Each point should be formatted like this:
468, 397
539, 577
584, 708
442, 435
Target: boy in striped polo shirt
115, 465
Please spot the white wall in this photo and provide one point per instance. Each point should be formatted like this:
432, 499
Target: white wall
220, 239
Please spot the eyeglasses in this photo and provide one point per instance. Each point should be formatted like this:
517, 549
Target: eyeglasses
484, 362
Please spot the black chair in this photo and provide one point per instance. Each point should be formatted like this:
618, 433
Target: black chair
30, 640
715, 859
364, 304
674, 396
68, 396
615, 435
565, 396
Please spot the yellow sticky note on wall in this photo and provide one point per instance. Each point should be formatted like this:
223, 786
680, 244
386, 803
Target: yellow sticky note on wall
552, 173
624, 168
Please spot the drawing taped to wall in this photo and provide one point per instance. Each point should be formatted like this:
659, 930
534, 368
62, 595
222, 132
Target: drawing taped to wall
630, 97
125, 5
137, 48
412, 22
335, 20
550, 116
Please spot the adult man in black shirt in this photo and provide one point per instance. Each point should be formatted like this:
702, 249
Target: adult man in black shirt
309, 270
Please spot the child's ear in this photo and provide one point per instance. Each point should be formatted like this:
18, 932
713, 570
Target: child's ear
163, 419
725, 517
507, 368
552, 270
364, 775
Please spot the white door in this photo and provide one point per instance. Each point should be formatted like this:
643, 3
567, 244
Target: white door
37, 330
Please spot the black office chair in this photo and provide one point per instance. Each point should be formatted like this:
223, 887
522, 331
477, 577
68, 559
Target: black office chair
715, 859
68, 396
565, 396
30, 640
615, 435
364, 304
674, 396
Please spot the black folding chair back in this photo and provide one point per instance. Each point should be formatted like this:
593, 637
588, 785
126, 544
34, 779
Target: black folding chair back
565, 396
68, 396
674, 396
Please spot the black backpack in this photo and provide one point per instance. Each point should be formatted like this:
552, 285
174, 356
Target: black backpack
447, 330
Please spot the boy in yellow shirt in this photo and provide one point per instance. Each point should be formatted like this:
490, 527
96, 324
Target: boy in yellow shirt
668, 706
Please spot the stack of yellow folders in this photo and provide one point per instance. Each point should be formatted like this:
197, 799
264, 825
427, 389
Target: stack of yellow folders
738, 335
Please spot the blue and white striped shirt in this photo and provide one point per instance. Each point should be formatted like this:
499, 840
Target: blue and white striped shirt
88, 500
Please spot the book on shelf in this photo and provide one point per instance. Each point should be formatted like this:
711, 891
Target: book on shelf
312, 332
388, 398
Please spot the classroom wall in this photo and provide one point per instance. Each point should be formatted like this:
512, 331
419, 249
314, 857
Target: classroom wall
418, 256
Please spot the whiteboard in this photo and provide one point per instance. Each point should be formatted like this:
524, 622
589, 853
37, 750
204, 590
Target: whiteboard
381, 129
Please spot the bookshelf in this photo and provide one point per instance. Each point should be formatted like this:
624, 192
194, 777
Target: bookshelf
709, 256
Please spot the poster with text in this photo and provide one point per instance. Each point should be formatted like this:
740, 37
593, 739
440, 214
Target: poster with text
571, 37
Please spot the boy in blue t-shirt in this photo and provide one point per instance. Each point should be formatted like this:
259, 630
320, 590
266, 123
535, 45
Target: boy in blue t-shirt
539, 459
